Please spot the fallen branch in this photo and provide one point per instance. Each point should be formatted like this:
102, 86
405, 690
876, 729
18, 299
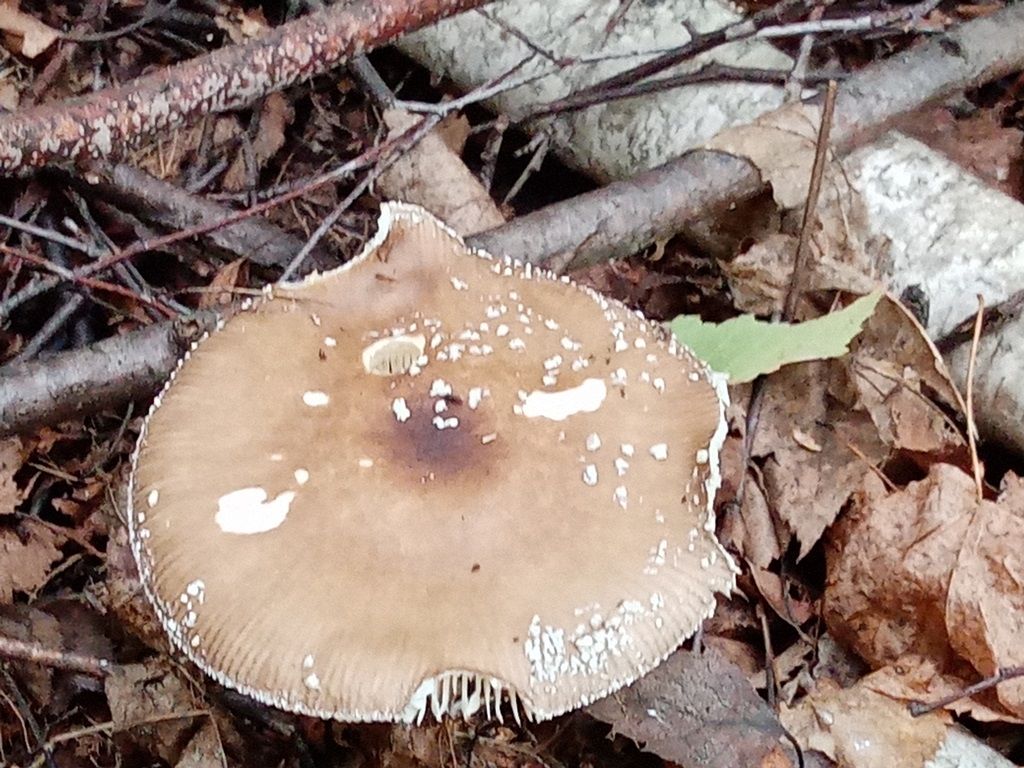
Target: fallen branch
108, 121
73, 384
608, 223
255, 238
34, 653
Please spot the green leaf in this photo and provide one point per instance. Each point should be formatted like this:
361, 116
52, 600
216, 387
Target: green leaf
746, 347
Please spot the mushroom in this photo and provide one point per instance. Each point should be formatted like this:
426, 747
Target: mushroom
431, 480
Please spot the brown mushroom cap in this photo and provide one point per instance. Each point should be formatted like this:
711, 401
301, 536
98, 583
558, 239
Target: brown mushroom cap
427, 479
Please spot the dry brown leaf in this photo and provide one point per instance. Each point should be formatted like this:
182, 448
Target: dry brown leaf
10, 462
985, 607
932, 571
787, 667
123, 595
759, 278
889, 561
806, 441
433, 176
145, 698
26, 554
275, 116
737, 652
902, 381
860, 728
806, 488
35, 37
242, 25
695, 709
752, 531
10, 98
842, 254
772, 589
230, 276
981, 143
781, 144
204, 750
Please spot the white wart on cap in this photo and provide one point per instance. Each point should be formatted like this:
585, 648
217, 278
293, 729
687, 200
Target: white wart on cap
431, 480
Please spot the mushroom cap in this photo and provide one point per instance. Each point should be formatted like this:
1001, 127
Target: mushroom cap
428, 479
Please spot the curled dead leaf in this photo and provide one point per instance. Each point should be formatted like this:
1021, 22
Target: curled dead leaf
931, 571
31, 36
858, 727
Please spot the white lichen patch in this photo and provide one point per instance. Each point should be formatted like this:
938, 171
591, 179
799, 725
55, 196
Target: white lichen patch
248, 511
301, 476
590, 475
152, 498
593, 441
659, 451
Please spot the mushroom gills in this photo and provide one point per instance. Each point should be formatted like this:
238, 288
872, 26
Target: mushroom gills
394, 355
463, 694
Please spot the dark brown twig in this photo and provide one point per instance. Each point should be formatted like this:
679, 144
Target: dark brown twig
821, 151
918, 708
38, 654
709, 73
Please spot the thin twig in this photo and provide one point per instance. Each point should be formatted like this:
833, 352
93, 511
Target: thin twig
44, 233
109, 727
35, 653
821, 150
712, 72
77, 276
918, 708
146, 18
972, 429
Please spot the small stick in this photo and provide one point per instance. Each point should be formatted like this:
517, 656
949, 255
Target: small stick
972, 429
811, 207
37, 654
918, 708
108, 727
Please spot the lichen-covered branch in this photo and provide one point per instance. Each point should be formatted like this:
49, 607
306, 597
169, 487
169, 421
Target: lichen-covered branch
107, 121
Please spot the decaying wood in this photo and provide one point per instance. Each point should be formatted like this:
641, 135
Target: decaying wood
107, 121
587, 228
